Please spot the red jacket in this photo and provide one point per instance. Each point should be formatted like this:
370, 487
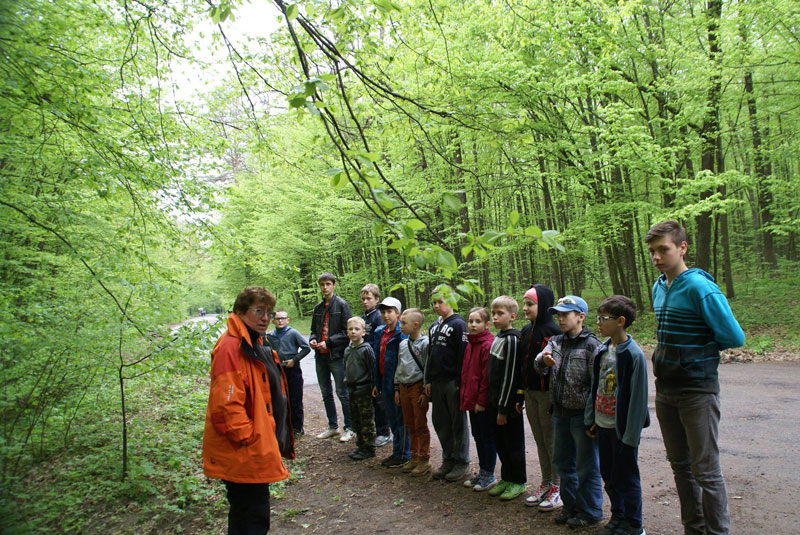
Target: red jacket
239, 442
474, 371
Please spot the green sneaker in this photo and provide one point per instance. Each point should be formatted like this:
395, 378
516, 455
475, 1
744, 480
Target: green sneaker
512, 490
499, 488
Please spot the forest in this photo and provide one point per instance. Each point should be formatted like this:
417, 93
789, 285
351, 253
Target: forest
486, 144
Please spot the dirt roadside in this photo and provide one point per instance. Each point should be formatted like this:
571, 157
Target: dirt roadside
759, 441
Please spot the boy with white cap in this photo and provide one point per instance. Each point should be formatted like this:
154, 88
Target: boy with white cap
386, 345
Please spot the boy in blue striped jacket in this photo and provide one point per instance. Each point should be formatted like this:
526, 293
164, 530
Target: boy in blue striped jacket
695, 323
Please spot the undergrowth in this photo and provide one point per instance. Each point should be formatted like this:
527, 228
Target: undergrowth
79, 488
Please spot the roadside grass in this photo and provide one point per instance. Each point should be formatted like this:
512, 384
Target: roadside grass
79, 488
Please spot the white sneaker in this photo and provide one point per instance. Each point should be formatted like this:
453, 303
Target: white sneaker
552, 501
347, 436
541, 494
328, 433
382, 440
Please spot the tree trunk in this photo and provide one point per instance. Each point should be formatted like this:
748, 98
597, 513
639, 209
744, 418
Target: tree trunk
762, 172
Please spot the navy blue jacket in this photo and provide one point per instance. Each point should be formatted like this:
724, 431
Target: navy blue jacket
389, 357
373, 320
631, 414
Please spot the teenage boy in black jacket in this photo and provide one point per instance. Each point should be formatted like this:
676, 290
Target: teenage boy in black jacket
328, 340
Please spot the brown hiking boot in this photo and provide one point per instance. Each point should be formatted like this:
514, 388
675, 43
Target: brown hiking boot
422, 468
410, 465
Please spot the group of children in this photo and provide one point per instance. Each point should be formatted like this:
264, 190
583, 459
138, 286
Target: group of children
585, 399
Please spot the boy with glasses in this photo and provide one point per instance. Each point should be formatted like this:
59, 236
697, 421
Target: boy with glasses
291, 348
616, 413
695, 323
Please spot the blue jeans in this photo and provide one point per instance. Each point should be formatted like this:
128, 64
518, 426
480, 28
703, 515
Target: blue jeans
689, 426
483, 432
401, 442
575, 459
325, 368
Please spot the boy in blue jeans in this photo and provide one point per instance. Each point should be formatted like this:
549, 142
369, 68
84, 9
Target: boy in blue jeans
567, 359
695, 323
386, 346
616, 413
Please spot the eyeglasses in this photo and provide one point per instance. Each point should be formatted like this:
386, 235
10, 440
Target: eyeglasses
601, 319
260, 312
566, 301
282, 318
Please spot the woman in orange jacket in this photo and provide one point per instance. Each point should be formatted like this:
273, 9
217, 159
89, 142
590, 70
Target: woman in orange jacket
247, 430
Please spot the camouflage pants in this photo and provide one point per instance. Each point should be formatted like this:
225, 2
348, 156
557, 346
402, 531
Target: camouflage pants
362, 416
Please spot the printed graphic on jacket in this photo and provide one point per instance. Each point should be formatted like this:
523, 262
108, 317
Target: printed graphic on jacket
605, 402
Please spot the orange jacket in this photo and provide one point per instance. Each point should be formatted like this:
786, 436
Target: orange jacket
239, 442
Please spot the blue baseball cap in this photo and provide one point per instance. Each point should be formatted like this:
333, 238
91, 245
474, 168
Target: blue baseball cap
570, 303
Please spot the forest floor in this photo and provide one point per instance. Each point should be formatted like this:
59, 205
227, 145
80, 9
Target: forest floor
759, 441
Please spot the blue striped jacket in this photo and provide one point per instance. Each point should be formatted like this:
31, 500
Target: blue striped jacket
695, 323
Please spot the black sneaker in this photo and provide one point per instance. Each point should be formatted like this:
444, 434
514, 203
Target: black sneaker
611, 527
389, 460
353, 453
564, 515
581, 520
626, 529
363, 454
395, 462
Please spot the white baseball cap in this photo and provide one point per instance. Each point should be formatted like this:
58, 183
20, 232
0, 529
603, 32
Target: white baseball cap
391, 302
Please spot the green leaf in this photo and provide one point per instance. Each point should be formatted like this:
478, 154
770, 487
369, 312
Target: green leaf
337, 14
533, 231
297, 100
291, 11
491, 237
446, 260
398, 244
337, 180
513, 218
451, 201
415, 224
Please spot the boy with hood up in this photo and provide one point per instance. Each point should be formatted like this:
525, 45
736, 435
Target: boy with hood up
534, 337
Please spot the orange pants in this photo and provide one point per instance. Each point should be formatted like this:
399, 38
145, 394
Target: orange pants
416, 419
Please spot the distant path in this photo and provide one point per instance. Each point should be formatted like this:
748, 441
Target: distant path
307, 364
